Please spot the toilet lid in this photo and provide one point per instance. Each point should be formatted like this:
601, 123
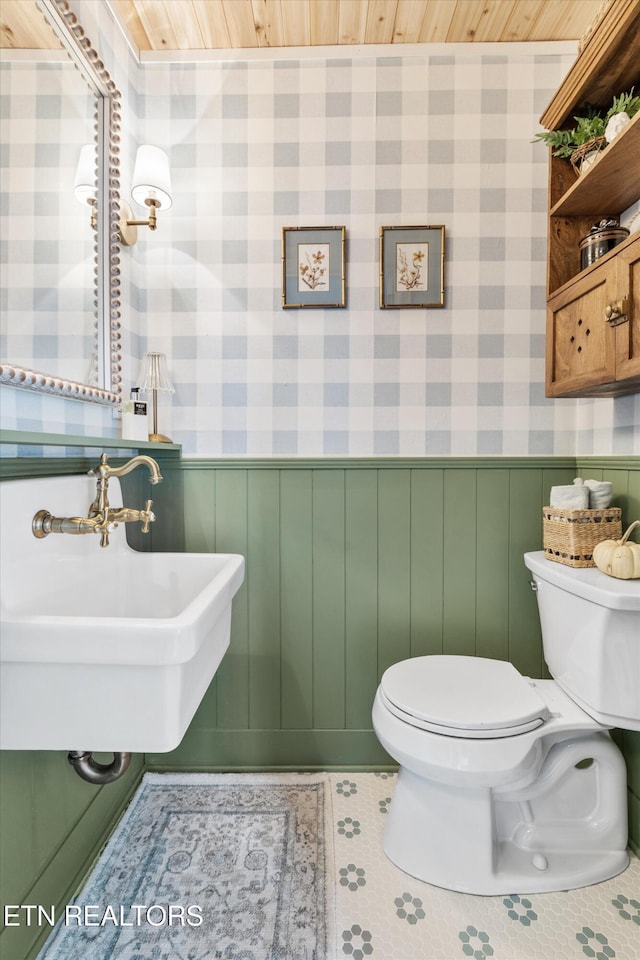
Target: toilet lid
463, 696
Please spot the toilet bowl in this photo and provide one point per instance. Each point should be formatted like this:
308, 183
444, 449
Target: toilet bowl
509, 784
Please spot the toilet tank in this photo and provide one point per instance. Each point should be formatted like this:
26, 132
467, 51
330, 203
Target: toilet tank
591, 637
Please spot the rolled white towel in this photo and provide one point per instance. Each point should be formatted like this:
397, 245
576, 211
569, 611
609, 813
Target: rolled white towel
600, 493
570, 497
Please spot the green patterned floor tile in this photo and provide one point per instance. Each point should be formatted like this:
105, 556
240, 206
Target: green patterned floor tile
392, 916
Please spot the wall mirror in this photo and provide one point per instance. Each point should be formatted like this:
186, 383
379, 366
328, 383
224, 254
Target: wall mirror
60, 329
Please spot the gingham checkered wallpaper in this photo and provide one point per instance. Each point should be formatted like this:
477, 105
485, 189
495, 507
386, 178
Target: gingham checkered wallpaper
426, 139
364, 143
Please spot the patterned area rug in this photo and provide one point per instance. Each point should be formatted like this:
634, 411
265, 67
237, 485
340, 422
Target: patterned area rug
203, 867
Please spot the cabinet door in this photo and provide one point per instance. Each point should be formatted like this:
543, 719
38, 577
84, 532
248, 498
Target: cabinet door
580, 344
628, 332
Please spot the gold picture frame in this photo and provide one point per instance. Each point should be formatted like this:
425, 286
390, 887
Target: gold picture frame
313, 267
412, 267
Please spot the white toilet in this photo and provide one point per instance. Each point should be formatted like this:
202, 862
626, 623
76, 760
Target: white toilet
512, 785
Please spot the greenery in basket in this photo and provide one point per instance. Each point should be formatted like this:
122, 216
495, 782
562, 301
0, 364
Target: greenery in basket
624, 103
588, 127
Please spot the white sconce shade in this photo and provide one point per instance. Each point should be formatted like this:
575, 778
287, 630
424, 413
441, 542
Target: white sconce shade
151, 189
85, 188
151, 177
154, 374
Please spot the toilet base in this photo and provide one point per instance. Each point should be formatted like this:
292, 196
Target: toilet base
566, 830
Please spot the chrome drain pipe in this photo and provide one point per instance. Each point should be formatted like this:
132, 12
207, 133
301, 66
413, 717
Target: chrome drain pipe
93, 772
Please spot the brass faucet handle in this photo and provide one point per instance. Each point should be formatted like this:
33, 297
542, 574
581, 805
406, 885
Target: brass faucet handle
96, 471
147, 515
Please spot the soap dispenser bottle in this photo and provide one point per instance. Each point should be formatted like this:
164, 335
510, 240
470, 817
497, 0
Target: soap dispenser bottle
134, 417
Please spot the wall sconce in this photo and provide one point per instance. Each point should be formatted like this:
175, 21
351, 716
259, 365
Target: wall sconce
151, 187
85, 188
155, 377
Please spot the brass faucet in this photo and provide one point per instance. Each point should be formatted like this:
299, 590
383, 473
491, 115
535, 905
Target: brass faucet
102, 518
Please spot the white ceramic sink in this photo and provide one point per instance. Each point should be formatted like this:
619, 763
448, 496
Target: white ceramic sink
102, 648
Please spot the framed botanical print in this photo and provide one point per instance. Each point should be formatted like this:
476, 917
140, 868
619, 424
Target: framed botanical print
412, 266
313, 267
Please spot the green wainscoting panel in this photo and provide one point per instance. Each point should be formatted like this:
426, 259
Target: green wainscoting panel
231, 535
427, 570
492, 564
263, 586
20, 861
53, 826
633, 494
296, 599
460, 562
328, 589
200, 519
394, 566
361, 595
527, 487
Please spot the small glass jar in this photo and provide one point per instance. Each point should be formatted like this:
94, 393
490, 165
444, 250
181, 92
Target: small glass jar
603, 236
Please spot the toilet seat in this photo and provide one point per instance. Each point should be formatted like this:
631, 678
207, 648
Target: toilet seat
458, 696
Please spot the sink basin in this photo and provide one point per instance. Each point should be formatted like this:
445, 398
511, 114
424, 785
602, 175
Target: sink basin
103, 648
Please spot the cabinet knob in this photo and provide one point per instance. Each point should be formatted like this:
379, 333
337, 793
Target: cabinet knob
616, 311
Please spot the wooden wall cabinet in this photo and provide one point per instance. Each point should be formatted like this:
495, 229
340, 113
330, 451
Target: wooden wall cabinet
593, 328
588, 352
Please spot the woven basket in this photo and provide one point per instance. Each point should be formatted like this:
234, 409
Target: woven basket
578, 155
569, 536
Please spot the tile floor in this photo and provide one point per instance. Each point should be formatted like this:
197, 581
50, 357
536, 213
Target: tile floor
382, 913
385, 914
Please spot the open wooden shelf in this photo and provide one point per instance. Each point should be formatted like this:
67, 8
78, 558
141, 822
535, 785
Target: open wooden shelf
611, 183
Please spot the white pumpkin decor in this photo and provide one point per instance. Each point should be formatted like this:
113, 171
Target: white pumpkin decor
619, 558
617, 123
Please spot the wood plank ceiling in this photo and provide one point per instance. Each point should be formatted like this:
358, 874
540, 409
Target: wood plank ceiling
237, 24
183, 25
